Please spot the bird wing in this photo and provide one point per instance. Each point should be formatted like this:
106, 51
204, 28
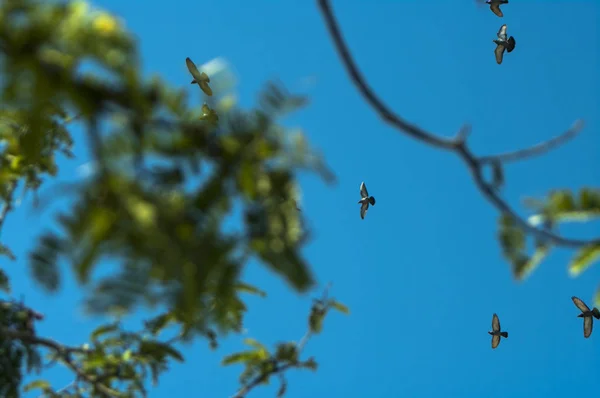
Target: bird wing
204, 86
363, 190
502, 31
193, 70
495, 7
580, 304
588, 324
511, 44
499, 52
495, 341
363, 209
495, 323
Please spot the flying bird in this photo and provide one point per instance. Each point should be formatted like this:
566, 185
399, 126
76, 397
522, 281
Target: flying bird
495, 6
200, 78
587, 315
365, 200
502, 43
496, 332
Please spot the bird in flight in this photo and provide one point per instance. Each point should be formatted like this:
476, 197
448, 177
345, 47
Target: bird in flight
587, 315
365, 200
503, 43
200, 78
495, 6
496, 332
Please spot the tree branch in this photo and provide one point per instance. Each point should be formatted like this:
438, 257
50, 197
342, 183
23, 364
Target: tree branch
456, 145
65, 354
536, 150
277, 370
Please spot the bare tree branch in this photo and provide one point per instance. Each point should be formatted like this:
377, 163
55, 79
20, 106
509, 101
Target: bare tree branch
456, 145
538, 149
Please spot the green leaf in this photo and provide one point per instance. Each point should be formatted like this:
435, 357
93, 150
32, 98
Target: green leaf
523, 265
286, 352
310, 363
315, 319
242, 357
247, 288
159, 350
37, 384
585, 257
255, 343
339, 307
104, 329
4, 282
589, 199
5, 251
561, 201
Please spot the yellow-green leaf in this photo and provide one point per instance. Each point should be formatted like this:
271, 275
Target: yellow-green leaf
104, 329
37, 384
247, 288
585, 257
242, 357
523, 265
339, 307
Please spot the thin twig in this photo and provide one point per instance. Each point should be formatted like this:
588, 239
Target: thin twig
457, 145
535, 150
277, 370
280, 369
64, 352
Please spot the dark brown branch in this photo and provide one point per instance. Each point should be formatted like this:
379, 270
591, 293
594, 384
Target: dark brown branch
535, 150
64, 352
457, 145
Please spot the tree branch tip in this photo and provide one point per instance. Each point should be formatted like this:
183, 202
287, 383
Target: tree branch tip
463, 134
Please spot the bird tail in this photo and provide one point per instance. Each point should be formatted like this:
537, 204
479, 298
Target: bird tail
504, 334
372, 200
596, 313
194, 81
360, 201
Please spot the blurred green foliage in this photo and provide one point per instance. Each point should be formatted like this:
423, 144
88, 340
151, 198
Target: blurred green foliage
560, 206
168, 177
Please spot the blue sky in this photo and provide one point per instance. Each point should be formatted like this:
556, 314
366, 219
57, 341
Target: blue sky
423, 272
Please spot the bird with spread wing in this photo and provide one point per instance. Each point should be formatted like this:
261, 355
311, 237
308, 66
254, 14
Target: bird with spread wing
503, 43
200, 78
496, 332
365, 200
587, 315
